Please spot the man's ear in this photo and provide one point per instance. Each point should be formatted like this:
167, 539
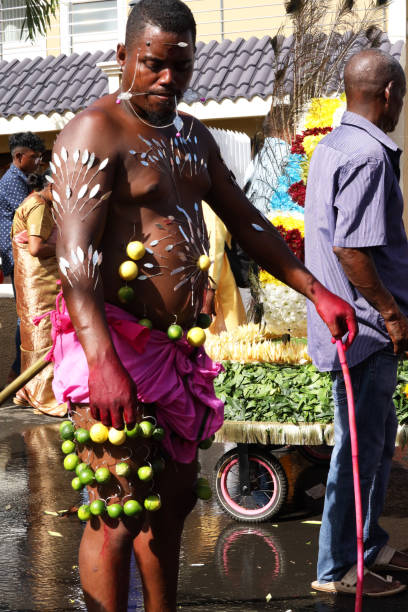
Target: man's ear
388, 91
17, 157
121, 54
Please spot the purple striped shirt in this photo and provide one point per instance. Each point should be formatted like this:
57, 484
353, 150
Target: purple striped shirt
353, 199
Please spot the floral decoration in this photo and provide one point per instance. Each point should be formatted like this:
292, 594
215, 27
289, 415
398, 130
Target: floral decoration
284, 308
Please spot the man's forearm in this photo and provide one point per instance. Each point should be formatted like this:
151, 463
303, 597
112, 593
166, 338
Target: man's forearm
360, 270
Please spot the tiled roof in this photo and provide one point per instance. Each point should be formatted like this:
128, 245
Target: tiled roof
52, 84
230, 69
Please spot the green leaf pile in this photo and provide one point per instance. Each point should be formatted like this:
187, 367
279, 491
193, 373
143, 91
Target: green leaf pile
287, 393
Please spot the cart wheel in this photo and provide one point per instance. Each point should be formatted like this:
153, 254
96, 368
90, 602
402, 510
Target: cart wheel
268, 486
319, 454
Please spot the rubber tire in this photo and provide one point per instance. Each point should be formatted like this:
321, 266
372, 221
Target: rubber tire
272, 464
313, 456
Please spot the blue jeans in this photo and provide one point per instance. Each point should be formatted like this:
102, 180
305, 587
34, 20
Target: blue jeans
374, 381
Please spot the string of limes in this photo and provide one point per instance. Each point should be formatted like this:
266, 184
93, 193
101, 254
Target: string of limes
129, 270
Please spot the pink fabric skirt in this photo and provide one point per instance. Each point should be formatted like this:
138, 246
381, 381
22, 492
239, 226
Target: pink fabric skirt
175, 377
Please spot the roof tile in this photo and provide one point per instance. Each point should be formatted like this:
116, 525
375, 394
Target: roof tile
230, 69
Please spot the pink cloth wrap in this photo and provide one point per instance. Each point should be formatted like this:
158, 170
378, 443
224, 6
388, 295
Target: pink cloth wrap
174, 376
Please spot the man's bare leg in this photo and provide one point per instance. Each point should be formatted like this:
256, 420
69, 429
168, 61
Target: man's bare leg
157, 547
104, 562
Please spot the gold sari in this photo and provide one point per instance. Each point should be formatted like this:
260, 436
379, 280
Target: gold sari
36, 289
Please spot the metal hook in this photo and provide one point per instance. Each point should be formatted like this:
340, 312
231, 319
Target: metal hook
130, 456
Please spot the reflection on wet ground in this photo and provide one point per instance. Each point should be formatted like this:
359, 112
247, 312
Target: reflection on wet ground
225, 565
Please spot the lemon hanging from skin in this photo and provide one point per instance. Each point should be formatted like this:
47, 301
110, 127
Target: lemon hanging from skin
126, 294
146, 323
196, 336
128, 270
204, 262
117, 436
99, 433
152, 503
135, 250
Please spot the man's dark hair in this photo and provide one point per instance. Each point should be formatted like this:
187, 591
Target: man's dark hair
168, 15
26, 140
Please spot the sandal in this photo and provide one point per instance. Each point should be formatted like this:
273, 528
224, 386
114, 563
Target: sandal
382, 560
348, 584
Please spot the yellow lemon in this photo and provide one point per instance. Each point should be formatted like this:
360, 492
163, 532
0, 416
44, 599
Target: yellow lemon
117, 436
135, 250
204, 262
128, 270
196, 336
99, 433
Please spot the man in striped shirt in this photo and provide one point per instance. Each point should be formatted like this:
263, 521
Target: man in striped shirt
356, 246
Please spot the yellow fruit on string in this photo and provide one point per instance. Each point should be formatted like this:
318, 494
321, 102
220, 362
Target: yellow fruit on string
204, 262
117, 436
196, 336
135, 250
128, 270
99, 433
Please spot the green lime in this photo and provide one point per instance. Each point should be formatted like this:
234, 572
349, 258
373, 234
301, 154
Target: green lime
102, 474
97, 507
71, 461
132, 507
126, 295
76, 484
145, 472
202, 482
146, 323
84, 512
67, 447
204, 320
158, 465
175, 332
67, 430
80, 467
205, 444
158, 433
123, 469
204, 492
146, 429
132, 433
152, 503
114, 510
86, 476
82, 435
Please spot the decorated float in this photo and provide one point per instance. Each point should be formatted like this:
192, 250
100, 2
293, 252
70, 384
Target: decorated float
274, 396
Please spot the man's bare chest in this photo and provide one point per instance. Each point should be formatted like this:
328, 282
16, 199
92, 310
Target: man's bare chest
163, 170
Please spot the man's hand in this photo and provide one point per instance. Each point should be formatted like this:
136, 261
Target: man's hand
208, 306
338, 315
397, 327
112, 394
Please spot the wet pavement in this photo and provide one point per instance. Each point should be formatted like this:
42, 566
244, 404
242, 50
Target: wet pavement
225, 565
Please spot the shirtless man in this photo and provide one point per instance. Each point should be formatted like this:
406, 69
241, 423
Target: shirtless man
129, 168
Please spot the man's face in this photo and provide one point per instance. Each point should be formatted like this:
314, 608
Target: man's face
28, 160
160, 71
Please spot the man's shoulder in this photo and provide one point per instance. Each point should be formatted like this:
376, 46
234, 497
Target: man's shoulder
95, 121
353, 145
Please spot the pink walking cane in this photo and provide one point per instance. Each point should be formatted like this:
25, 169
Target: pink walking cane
356, 475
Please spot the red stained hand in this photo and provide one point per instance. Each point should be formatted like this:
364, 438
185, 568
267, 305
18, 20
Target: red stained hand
338, 315
112, 393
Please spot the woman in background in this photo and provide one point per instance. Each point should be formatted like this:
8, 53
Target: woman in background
36, 274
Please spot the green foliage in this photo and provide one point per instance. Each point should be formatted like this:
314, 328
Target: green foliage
286, 394
38, 15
